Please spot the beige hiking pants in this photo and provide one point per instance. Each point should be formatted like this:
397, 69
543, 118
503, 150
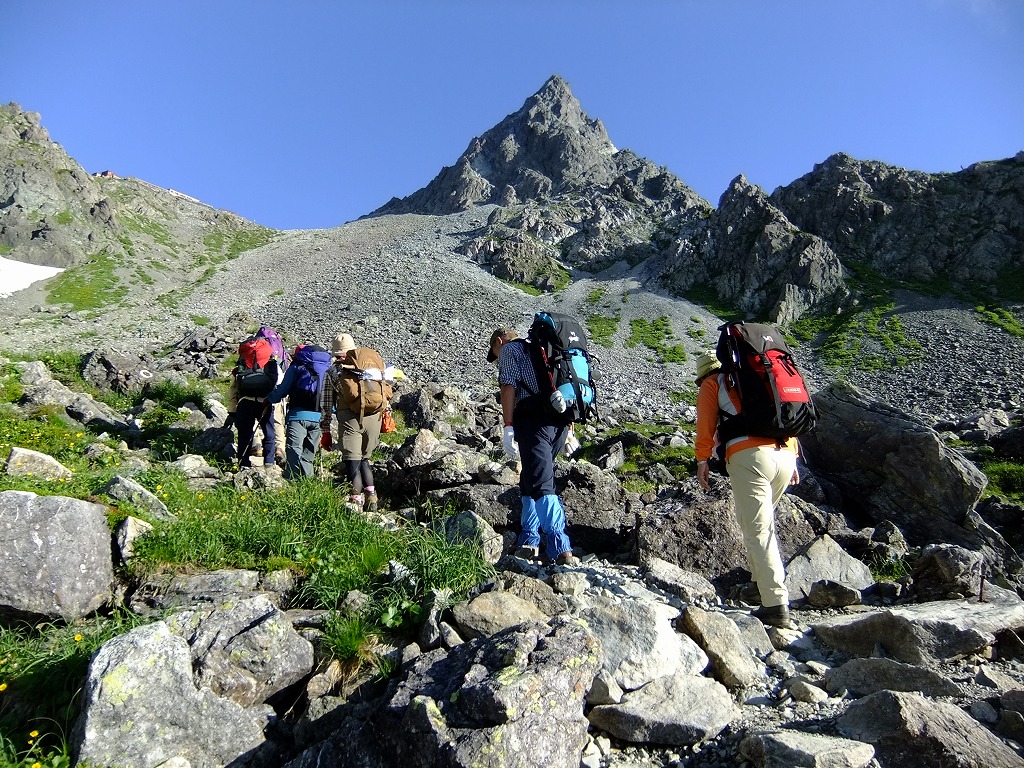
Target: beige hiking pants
759, 478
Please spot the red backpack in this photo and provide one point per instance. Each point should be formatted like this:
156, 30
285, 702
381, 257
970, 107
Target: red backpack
774, 399
256, 372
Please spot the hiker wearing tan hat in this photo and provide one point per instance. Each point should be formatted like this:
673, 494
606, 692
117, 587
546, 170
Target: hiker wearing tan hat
357, 391
760, 469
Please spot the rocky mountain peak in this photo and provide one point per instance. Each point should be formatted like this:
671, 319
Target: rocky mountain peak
547, 147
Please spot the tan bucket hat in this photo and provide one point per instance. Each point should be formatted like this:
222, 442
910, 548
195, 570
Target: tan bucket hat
707, 363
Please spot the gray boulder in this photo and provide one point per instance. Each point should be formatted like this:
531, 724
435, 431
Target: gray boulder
638, 641
824, 560
126, 489
793, 749
913, 732
926, 632
244, 650
677, 709
862, 677
22, 462
57, 556
141, 707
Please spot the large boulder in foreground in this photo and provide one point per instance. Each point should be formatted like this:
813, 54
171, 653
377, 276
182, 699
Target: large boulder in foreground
56, 560
141, 707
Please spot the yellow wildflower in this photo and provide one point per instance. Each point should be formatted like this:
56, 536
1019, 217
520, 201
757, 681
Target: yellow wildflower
33, 734
78, 638
3, 687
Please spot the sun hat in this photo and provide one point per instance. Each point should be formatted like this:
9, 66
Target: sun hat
707, 363
343, 344
499, 333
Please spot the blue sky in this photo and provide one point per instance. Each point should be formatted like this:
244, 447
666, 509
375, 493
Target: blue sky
310, 114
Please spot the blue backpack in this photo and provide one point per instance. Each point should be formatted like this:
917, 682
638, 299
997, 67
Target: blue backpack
310, 363
558, 347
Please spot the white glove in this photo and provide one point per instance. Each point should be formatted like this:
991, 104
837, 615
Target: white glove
509, 444
571, 445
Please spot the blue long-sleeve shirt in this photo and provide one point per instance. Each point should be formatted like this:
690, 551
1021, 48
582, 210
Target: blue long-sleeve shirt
281, 391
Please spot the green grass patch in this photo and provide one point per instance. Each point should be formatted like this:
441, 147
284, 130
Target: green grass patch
602, 328
1005, 478
231, 244
595, 296
867, 340
89, 286
706, 296
657, 336
63, 218
42, 668
888, 568
136, 222
1001, 318
307, 526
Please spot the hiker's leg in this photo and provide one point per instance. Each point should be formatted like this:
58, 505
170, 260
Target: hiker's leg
245, 422
355, 477
279, 427
310, 443
552, 521
538, 445
295, 433
269, 434
751, 472
529, 535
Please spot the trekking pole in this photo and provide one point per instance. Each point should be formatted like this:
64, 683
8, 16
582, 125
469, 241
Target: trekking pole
981, 587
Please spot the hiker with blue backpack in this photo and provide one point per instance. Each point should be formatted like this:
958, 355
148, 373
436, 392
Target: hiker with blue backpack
303, 385
545, 384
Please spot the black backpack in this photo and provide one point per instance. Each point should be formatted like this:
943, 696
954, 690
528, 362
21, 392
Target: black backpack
775, 401
564, 366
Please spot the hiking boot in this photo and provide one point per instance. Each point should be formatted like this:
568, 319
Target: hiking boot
774, 616
567, 558
279, 458
371, 502
354, 503
528, 553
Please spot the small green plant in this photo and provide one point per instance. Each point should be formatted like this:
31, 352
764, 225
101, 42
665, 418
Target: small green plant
887, 568
200, 320
595, 296
686, 396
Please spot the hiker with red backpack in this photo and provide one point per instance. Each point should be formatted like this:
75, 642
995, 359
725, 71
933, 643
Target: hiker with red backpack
753, 403
358, 391
252, 379
303, 385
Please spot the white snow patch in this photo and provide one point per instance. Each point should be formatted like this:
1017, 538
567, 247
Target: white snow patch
16, 275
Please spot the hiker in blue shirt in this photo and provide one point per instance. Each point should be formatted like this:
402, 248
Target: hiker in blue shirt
539, 436
302, 385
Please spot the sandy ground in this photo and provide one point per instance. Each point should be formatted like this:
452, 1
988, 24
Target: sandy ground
16, 275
